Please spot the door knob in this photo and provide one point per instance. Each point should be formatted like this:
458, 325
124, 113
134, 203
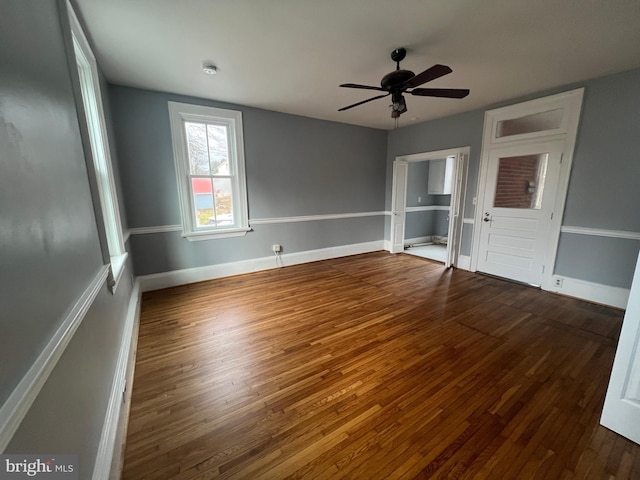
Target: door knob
486, 219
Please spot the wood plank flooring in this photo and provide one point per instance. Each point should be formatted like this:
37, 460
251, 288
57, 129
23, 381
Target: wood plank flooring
371, 367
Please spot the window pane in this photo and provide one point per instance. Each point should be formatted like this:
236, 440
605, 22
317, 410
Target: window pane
224, 203
214, 196
537, 122
197, 146
218, 149
203, 201
520, 182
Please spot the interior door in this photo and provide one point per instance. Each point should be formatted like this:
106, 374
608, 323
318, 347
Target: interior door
520, 190
398, 205
621, 412
455, 220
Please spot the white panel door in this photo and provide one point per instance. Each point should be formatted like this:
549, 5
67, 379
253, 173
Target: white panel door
398, 205
520, 191
621, 411
455, 224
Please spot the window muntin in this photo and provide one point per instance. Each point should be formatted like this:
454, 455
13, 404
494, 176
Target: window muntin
209, 161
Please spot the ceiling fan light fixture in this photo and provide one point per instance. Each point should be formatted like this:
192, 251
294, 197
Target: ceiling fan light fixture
399, 106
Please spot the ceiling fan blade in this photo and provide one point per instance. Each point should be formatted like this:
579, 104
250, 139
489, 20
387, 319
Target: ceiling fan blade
429, 74
440, 92
364, 101
364, 87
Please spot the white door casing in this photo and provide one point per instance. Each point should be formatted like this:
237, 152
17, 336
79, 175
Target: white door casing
526, 115
398, 205
516, 214
621, 411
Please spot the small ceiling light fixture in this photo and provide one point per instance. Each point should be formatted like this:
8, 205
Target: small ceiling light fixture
209, 69
398, 107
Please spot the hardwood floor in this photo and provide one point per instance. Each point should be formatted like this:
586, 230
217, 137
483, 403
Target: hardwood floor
370, 367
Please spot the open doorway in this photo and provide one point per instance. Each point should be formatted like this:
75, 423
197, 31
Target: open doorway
428, 208
428, 189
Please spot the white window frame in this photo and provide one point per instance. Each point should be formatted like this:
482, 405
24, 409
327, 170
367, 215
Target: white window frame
113, 244
179, 113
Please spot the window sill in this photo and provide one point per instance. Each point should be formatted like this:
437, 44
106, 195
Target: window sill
118, 264
212, 235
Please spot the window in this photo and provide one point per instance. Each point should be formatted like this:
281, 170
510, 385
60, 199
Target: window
113, 244
209, 159
535, 122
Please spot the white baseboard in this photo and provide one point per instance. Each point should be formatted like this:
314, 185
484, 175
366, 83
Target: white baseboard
464, 263
112, 438
592, 292
157, 281
417, 240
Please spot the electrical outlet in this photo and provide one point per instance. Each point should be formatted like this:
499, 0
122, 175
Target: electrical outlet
419, 199
557, 282
277, 248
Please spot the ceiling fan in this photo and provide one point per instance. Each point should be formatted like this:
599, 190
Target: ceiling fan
397, 82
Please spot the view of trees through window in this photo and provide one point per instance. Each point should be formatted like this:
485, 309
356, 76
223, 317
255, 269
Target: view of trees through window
208, 148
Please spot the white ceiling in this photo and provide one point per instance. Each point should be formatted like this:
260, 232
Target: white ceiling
291, 55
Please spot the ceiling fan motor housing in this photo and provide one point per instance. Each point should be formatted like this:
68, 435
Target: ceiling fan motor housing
394, 80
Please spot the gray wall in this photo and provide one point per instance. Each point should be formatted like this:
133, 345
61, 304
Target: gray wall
419, 224
295, 166
417, 179
417, 187
426, 224
46, 210
49, 246
169, 251
603, 189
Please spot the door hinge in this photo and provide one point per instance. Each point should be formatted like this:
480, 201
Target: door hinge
551, 215
561, 157
542, 268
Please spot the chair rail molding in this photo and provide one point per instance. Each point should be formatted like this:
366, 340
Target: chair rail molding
24, 394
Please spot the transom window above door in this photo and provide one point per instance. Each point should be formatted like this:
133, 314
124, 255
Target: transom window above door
535, 119
545, 121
